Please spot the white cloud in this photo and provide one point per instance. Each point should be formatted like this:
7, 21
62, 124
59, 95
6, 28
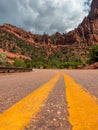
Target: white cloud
44, 15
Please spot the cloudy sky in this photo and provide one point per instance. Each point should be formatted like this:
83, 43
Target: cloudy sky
41, 16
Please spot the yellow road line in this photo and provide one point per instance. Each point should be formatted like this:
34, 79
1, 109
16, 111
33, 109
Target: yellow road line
18, 116
82, 107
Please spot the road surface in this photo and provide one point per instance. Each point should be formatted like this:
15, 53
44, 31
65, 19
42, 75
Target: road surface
49, 100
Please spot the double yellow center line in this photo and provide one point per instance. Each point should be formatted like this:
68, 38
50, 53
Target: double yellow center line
82, 107
18, 116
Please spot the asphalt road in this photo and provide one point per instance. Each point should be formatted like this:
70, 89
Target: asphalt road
49, 100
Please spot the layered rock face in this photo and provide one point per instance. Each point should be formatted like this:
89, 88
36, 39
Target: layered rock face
19, 33
87, 31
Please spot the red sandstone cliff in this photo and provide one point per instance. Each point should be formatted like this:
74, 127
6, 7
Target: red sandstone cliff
87, 31
19, 33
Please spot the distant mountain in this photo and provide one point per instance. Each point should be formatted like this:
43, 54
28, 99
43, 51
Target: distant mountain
57, 48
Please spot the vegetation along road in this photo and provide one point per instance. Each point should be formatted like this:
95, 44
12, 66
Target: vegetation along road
49, 100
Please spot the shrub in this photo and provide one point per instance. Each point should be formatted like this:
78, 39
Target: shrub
19, 63
94, 54
3, 59
28, 64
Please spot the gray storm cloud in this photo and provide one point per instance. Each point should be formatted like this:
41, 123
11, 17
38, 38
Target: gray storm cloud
47, 16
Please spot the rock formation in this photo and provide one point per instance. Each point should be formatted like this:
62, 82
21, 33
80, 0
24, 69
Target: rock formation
19, 33
87, 31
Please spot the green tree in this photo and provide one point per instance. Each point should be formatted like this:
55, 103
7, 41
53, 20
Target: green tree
28, 64
94, 54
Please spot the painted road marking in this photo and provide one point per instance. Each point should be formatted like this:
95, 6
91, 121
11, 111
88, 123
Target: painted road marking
18, 116
82, 107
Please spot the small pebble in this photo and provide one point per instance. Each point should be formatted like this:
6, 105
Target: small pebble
54, 119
